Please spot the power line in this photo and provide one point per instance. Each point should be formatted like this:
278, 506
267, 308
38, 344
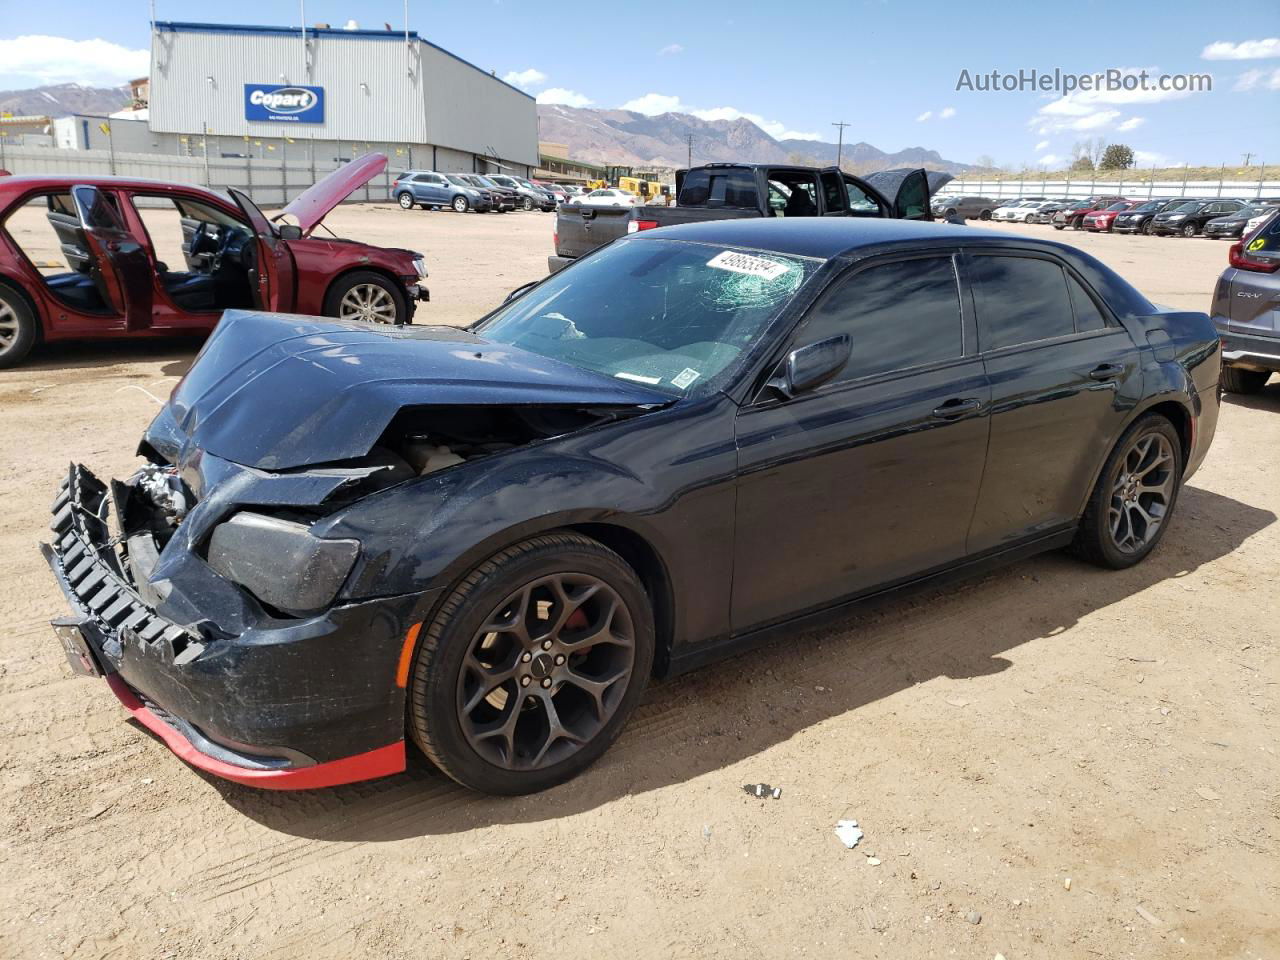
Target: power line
840, 142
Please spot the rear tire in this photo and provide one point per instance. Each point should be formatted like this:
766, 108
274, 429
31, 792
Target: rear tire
405, 200
19, 329
1238, 380
1097, 539
479, 639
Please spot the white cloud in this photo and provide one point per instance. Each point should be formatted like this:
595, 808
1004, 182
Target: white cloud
1050, 160
775, 129
570, 98
671, 50
1255, 79
1092, 109
946, 113
42, 60
652, 104
1133, 123
1145, 158
525, 78
1245, 50
924, 116
1041, 145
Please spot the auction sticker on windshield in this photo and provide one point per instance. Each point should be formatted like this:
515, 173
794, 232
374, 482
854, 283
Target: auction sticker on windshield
746, 264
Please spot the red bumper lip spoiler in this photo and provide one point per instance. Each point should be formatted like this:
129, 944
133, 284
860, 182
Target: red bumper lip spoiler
381, 762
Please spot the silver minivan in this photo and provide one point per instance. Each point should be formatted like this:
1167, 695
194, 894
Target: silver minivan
1246, 309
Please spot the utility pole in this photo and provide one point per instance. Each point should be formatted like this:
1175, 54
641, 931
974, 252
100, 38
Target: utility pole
689, 140
1247, 158
840, 142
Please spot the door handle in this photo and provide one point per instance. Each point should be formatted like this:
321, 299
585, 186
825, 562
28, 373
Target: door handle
955, 408
1106, 371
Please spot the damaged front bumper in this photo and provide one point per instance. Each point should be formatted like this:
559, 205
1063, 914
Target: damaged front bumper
282, 703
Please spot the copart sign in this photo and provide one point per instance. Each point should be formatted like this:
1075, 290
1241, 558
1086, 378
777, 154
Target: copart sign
283, 104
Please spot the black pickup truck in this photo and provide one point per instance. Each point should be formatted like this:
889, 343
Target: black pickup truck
725, 191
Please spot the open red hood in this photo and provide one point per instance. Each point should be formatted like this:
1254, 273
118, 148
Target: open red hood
313, 204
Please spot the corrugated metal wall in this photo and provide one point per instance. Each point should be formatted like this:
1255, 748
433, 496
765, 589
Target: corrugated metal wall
376, 90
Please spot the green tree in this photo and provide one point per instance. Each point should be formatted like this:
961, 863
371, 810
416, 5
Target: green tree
1082, 162
1117, 156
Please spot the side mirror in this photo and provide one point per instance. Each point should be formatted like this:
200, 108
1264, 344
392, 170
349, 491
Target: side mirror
289, 231
811, 366
520, 291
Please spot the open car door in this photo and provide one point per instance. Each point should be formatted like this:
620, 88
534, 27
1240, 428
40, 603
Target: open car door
118, 264
911, 190
271, 271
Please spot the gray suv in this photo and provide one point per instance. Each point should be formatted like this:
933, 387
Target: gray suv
1246, 310
971, 208
531, 196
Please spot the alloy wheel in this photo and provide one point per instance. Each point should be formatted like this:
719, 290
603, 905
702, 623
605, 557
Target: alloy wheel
368, 302
1141, 493
406, 201
8, 326
546, 672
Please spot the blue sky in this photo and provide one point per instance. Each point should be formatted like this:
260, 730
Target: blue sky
889, 69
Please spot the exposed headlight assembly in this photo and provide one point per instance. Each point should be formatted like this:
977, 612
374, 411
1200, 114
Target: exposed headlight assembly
420, 265
280, 562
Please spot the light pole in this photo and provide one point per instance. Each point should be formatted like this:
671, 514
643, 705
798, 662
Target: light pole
840, 141
689, 140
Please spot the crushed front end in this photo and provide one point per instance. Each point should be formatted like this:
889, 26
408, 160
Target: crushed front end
253, 694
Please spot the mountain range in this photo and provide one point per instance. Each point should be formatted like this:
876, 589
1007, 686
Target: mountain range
628, 138
599, 136
63, 98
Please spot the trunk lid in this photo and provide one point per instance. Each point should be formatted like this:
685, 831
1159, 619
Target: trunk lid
275, 391
314, 203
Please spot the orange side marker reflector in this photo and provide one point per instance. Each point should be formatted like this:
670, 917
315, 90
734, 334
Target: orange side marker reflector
406, 656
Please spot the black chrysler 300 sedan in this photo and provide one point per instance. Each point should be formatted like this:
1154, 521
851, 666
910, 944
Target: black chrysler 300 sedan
488, 540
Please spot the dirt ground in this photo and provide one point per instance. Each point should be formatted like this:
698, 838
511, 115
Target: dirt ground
1051, 761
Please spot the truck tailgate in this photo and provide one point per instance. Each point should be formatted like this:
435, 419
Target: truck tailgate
580, 229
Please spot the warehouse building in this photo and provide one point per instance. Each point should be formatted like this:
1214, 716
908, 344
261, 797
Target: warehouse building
338, 93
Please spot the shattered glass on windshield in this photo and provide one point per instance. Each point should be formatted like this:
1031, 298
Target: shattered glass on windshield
673, 315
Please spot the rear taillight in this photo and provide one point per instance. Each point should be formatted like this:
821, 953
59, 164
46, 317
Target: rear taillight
1236, 257
635, 226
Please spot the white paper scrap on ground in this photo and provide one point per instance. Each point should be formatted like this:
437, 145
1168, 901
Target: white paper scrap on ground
848, 832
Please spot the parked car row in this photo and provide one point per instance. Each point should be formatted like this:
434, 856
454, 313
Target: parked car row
1105, 213
481, 193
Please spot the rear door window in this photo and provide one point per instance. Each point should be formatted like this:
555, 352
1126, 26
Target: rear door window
1019, 300
719, 187
899, 315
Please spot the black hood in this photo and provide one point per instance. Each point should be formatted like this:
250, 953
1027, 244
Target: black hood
275, 391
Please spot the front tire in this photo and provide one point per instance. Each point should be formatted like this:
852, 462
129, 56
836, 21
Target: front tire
985, 215
1237, 380
19, 329
1146, 228
527, 204
1189, 230
1132, 504
532, 665
460, 204
367, 296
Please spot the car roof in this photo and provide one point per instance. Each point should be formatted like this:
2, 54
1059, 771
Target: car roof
820, 237
23, 183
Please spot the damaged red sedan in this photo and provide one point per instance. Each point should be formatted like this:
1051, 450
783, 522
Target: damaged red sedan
146, 258
348, 536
